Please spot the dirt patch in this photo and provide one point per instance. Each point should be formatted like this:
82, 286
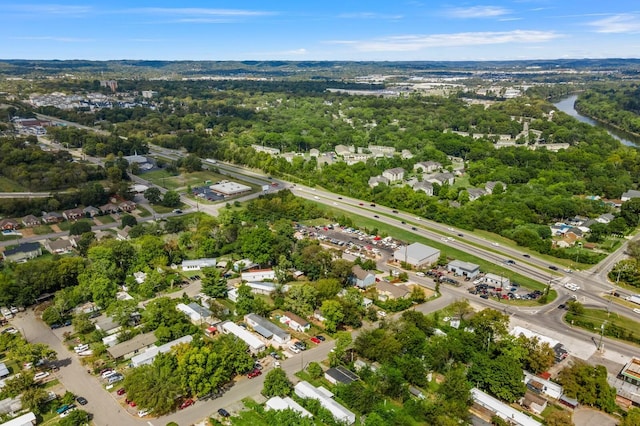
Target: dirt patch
55, 228
27, 232
96, 221
583, 416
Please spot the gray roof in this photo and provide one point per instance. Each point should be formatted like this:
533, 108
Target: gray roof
4, 371
418, 251
342, 375
22, 248
467, 266
138, 342
632, 193
268, 326
202, 311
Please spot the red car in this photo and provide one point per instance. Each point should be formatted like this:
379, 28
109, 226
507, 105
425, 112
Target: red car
189, 402
315, 340
132, 404
254, 373
121, 391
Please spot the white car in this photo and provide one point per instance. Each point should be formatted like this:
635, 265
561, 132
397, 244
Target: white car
108, 374
41, 375
143, 413
382, 314
420, 274
571, 286
636, 310
294, 349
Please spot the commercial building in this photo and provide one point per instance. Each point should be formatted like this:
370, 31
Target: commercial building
229, 189
255, 344
497, 280
417, 255
466, 269
341, 414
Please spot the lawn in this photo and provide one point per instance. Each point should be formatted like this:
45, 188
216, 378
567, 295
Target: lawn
42, 230
7, 185
182, 181
615, 325
66, 225
143, 212
106, 219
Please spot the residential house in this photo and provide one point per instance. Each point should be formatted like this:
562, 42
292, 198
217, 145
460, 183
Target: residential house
306, 390
28, 419
123, 234
129, 348
30, 221
277, 403
266, 149
475, 193
441, 178
60, 246
417, 255
361, 278
632, 193
22, 252
543, 386
91, 211
377, 180
406, 154
317, 314
197, 313
109, 208
198, 264
8, 225
352, 159
243, 265
466, 269
267, 329
427, 166
425, 186
313, 152
4, 371
264, 287
344, 150
294, 321
491, 406
605, 218
340, 375
394, 175
73, 214
258, 275
127, 206
533, 402
490, 186
388, 291
150, 354
255, 344
51, 217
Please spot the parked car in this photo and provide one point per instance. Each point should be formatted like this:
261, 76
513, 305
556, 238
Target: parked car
223, 412
41, 375
108, 373
254, 373
294, 349
143, 413
121, 391
62, 409
257, 365
54, 326
189, 402
321, 338
274, 355
315, 340
82, 400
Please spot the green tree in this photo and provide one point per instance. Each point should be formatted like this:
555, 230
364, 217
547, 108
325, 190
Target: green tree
51, 315
563, 418
276, 383
213, 283
315, 370
171, 199
155, 386
34, 399
588, 384
153, 195
333, 314
82, 324
301, 299
80, 227
128, 220
539, 356
75, 418
246, 301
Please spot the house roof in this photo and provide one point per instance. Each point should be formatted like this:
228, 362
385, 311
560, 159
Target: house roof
395, 170
8, 222
138, 342
4, 371
30, 219
342, 375
296, 318
467, 266
60, 244
502, 409
22, 248
360, 273
632, 193
397, 291
267, 325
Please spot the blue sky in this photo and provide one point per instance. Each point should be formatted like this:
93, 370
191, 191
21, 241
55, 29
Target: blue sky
319, 30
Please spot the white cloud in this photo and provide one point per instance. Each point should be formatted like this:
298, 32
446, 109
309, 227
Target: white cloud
476, 12
623, 23
200, 12
415, 42
48, 9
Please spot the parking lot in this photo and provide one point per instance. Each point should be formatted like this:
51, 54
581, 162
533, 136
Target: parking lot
207, 194
512, 292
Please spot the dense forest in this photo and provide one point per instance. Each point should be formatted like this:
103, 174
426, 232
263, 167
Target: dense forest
618, 105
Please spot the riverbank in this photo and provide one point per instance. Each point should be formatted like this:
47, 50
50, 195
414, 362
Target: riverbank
605, 123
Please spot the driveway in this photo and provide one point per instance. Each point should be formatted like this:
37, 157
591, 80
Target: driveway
589, 417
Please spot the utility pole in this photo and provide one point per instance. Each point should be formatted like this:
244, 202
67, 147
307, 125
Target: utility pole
601, 335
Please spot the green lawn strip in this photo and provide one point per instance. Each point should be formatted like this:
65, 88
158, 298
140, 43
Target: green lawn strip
42, 230
160, 178
408, 236
615, 326
106, 219
142, 211
162, 209
9, 237
66, 225
8, 185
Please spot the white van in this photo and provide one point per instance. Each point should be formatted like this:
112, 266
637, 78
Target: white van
81, 348
115, 378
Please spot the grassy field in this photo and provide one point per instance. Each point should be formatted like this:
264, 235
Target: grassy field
183, 181
143, 212
42, 230
616, 326
7, 185
106, 219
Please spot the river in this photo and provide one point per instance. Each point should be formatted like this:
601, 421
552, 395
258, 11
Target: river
566, 105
